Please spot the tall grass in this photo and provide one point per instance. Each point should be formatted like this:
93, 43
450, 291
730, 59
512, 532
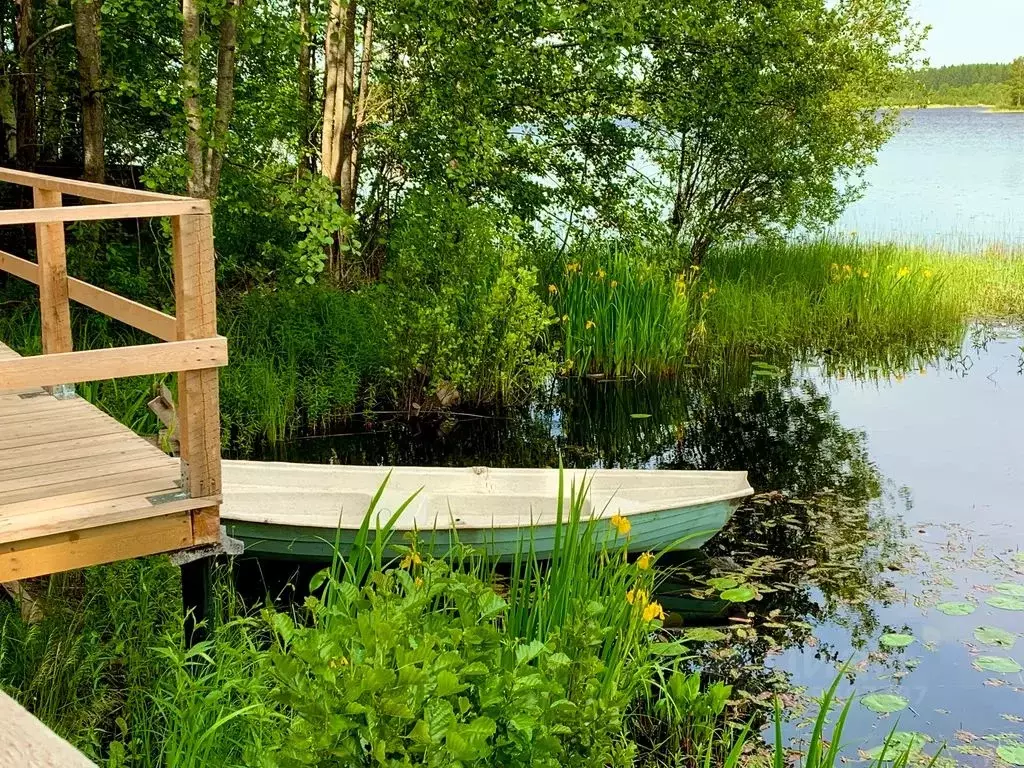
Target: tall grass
620, 312
885, 301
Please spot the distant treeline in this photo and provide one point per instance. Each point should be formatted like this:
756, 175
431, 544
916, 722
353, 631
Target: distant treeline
960, 85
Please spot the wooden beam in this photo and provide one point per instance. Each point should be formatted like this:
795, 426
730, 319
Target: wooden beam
85, 189
195, 294
129, 312
114, 363
104, 211
53, 276
26, 742
93, 546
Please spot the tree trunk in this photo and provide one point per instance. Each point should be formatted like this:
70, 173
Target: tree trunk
25, 88
191, 59
205, 162
365, 63
305, 88
345, 142
224, 105
87, 41
333, 44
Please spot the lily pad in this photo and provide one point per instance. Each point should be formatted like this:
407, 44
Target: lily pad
956, 608
1011, 590
1006, 603
995, 636
884, 703
640, 415
899, 744
896, 640
1012, 753
740, 594
704, 635
723, 582
999, 664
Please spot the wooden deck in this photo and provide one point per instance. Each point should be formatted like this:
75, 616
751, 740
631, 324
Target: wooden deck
76, 487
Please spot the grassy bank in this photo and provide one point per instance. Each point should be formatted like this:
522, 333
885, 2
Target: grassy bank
473, 328
393, 662
635, 311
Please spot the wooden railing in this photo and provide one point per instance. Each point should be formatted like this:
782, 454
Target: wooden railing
189, 343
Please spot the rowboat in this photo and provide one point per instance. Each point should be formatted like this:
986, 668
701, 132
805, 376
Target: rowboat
300, 510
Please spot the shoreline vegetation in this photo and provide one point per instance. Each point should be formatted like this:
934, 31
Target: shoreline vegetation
306, 358
400, 660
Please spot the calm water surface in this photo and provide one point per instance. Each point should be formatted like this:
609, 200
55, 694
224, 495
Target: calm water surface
951, 177
915, 484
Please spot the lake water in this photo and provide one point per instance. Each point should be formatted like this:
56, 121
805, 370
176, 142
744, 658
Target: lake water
880, 498
950, 176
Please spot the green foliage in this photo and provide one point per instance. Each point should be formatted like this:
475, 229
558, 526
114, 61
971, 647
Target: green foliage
459, 306
621, 310
299, 358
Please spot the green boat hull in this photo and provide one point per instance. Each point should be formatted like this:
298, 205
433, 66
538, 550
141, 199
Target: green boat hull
687, 528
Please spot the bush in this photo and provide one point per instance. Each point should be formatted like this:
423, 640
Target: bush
298, 359
459, 305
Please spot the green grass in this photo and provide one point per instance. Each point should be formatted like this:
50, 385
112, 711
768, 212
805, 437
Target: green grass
884, 303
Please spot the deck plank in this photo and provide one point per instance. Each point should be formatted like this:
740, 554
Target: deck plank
78, 488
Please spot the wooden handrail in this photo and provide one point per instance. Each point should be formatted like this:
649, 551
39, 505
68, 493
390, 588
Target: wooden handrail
104, 211
113, 363
86, 189
129, 312
191, 345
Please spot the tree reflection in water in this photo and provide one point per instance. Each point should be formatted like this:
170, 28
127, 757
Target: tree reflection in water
814, 541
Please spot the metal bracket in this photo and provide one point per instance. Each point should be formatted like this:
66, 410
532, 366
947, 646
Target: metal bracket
163, 498
226, 546
63, 391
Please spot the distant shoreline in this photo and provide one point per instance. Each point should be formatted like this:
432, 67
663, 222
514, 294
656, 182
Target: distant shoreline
991, 108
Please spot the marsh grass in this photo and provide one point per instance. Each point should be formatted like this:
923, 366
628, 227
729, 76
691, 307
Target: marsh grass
861, 303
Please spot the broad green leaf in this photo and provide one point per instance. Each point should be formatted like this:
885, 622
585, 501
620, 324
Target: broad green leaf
704, 635
899, 744
896, 640
528, 652
999, 664
448, 683
1012, 753
667, 649
723, 582
995, 636
1010, 590
640, 415
884, 703
740, 594
1006, 603
956, 608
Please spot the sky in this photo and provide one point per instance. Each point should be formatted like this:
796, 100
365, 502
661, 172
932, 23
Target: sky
971, 31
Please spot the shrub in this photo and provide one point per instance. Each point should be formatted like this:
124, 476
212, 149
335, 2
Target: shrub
459, 306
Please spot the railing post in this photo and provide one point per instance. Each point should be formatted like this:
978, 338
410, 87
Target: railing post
195, 294
55, 311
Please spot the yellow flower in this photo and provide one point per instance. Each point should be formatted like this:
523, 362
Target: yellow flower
927, 274
553, 289
572, 268
644, 561
904, 271
835, 267
413, 558
341, 661
847, 268
418, 582
615, 283
600, 273
654, 611
621, 524
565, 318
590, 324
864, 273
637, 597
